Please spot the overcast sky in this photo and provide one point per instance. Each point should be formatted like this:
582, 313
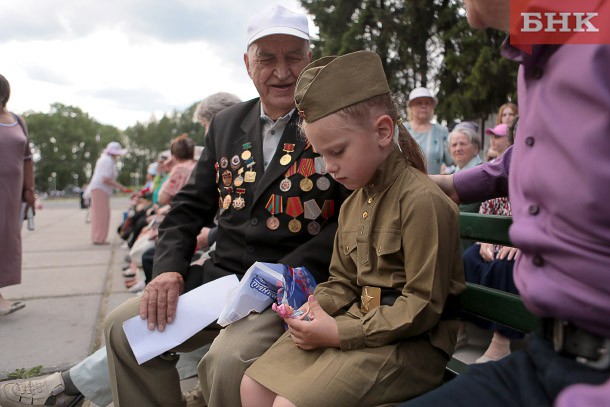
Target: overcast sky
123, 60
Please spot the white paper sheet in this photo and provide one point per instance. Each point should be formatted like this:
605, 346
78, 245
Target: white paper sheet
196, 310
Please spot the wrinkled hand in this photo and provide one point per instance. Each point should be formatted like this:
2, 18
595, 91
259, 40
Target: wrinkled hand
508, 253
320, 332
445, 183
160, 299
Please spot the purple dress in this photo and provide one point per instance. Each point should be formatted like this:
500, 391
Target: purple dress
14, 149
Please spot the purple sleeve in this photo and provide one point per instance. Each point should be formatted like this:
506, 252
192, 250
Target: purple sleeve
486, 181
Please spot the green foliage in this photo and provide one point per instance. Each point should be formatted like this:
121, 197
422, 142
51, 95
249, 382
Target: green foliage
422, 43
25, 374
67, 142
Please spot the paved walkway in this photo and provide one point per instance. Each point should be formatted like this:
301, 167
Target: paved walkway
68, 285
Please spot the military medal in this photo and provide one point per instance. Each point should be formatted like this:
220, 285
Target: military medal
286, 184
274, 205
235, 162
239, 179
239, 202
312, 211
226, 203
323, 183
227, 178
246, 154
328, 209
286, 158
294, 208
217, 172
250, 176
320, 165
306, 168
224, 162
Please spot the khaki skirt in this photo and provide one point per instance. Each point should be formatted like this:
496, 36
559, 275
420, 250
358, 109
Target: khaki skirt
385, 375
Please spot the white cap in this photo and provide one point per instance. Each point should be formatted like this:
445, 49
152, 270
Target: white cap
277, 20
114, 148
421, 93
152, 168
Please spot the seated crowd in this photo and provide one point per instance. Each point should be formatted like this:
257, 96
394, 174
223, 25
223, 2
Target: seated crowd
319, 172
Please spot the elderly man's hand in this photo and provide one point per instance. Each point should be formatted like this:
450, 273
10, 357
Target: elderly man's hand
160, 299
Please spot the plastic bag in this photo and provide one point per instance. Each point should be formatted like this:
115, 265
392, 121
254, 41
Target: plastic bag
265, 284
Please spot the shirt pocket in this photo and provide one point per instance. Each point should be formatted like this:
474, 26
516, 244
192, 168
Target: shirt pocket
348, 244
386, 251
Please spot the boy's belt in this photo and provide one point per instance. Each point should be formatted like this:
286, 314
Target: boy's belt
570, 340
373, 297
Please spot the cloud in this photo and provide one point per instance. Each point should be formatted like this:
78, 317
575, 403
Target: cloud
123, 60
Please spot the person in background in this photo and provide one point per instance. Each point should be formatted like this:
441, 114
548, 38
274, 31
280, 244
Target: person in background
561, 224
379, 330
492, 266
16, 193
431, 137
464, 147
506, 115
498, 141
182, 152
100, 189
208, 107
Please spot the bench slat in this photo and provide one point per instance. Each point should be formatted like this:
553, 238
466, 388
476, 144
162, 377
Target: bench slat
485, 228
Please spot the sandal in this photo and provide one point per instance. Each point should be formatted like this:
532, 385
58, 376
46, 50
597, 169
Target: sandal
16, 306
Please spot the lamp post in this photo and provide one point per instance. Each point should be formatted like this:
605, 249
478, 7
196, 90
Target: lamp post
75, 175
50, 179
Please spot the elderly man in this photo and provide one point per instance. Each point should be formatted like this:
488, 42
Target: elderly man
561, 222
277, 204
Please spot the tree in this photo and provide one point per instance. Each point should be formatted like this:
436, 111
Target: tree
65, 145
422, 43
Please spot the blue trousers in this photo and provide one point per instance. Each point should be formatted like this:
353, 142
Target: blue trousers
532, 377
497, 274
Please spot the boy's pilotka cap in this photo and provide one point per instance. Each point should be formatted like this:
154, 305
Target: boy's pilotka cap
330, 84
277, 20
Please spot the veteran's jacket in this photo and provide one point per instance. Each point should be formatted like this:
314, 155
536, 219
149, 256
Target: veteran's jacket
284, 214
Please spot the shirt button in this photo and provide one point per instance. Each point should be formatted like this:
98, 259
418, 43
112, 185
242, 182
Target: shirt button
370, 200
537, 73
365, 215
254, 221
529, 141
250, 249
272, 132
538, 261
533, 210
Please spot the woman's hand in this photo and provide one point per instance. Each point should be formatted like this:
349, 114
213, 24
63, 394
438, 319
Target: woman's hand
508, 253
30, 199
321, 331
487, 252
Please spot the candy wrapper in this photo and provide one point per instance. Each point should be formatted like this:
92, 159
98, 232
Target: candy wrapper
293, 292
265, 284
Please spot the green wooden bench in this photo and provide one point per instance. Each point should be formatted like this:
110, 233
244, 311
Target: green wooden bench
487, 303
